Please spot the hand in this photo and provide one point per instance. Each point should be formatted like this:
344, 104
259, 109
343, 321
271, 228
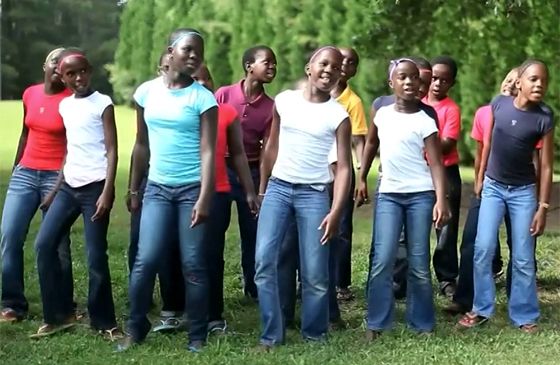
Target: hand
133, 203
330, 225
200, 212
441, 214
477, 188
539, 222
47, 201
104, 204
361, 194
254, 203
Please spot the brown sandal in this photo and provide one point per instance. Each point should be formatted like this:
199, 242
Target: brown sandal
529, 328
471, 320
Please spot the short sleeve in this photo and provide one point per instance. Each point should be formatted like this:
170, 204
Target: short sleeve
477, 132
25, 96
428, 109
451, 126
548, 121
428, 128
279, 100
141, 93
205, 100
228, 113
358, 118
377, 103
220, 95
102, 103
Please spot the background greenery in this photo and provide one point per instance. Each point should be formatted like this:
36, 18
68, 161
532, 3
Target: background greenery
496, 343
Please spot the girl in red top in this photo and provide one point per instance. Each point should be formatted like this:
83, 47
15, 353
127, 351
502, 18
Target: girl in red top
39, 157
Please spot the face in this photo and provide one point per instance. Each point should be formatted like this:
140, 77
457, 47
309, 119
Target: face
508, 85
533, 83
50, 68
349, 63
405, 81
425, 81
76, 74
264, 67
187, 55
203, 77
324, 69
164, 65
442, 80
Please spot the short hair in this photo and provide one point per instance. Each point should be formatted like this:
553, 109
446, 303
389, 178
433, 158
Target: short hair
422, 63
178, 33
58, 50
449, 62
528, 63
250, 54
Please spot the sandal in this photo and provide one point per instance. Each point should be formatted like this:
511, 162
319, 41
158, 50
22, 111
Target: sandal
471, 320
529, 328
113, 334
50, 329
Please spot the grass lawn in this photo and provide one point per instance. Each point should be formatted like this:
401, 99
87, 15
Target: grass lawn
496, 343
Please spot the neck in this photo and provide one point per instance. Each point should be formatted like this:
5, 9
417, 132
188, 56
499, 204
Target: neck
177, 80
314, 95
434, 100
406, 106
53, 88
521, 102
252, 88
339, 88
84, 94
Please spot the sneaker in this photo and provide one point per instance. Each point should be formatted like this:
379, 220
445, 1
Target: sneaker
195, 346
448, 289
8, 315
217, 327
344, 294
170, 324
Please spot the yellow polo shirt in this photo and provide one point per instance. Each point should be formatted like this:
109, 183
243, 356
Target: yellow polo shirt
355, 108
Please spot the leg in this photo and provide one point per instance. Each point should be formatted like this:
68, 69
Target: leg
372, 245
275, 215
135, 228
420, 313
492, 210
311, 205
62, 213
22, 200
343, 256
287, 272
523, 302
445, 255
388, 227
401, 266
157, 214
171, 283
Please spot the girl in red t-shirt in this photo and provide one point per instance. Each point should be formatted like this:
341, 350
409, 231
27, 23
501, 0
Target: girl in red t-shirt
39, 157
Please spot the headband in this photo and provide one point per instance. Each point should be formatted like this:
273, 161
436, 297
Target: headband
394, 63
183, 36
321, 50
75, 54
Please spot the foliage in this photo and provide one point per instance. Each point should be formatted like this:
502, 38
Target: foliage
487, 38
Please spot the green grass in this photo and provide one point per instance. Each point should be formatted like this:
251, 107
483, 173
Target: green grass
496, 343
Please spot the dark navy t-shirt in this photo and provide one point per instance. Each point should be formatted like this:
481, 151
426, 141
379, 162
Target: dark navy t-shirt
386, 100
514, 137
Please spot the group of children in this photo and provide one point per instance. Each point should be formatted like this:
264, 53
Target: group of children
287, 164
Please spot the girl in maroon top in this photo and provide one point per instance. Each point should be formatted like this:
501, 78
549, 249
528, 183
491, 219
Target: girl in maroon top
39, 157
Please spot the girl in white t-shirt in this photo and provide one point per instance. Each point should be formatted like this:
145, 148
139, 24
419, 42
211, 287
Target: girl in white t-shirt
294, 175
86, 187
406, 194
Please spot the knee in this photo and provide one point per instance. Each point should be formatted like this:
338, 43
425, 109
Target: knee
524, 265
419, 274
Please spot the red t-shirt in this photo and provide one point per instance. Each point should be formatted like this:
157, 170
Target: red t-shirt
46, 139
449, 125
226, 116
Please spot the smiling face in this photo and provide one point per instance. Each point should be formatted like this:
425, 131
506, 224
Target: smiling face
533, 82
187, 54
263, 68
508, 85
76, 73
405, 81
324, 69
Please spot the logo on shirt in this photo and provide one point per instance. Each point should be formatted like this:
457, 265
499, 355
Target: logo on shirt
41, 110
513, 122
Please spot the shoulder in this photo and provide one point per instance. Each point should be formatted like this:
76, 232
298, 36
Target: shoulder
383, 101
452, 105
227, 89
102, 99
428, 109
226, 111
500, 100
287, 96
31, 91
147, 85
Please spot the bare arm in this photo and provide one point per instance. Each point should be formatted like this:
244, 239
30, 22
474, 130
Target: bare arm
22, 139
343, 167
477, 158
370, 148
433, 149
447, 145
270, 152
545, 183
484, 157
138, 160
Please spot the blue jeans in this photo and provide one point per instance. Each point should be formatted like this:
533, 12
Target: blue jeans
247, 227
67, 206
163, 208
393, 209
521, 204
343, 255
27, 188
171, 285
308, 205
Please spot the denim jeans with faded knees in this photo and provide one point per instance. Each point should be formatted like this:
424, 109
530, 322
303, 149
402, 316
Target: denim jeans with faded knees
163, 207
392, 210
521, 204
67, 206
308, 205
27, 188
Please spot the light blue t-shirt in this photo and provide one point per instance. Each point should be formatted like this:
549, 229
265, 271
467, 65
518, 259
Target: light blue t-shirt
173, 121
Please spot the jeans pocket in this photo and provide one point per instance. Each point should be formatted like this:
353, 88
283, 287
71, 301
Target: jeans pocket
318, 187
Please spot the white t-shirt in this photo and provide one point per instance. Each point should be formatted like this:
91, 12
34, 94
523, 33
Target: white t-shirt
307, 134
86, 158
401, 138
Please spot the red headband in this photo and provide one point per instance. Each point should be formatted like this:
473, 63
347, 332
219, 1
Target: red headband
59, 67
